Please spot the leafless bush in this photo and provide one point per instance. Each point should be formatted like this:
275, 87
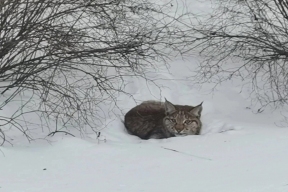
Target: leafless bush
254, 35
61, 60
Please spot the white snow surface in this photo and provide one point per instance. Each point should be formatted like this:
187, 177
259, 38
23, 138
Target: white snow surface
239, 150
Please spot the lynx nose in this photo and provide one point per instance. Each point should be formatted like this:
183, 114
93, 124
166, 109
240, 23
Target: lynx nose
178, 129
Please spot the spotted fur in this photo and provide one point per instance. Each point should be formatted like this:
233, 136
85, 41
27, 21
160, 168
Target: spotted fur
153, 119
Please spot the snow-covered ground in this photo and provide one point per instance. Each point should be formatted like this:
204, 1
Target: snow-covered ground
239, 149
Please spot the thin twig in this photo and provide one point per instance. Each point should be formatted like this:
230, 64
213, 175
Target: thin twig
54, 132
205, 158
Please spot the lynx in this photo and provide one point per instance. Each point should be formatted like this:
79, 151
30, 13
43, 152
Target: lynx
158, 120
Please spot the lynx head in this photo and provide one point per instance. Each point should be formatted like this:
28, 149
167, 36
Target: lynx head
182, 122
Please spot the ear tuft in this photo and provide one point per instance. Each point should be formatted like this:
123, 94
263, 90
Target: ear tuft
197, 110
169, 107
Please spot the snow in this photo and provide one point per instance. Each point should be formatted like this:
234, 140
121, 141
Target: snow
240, 160
239, 149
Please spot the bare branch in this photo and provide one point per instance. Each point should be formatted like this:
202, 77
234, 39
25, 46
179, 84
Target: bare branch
63, 60
254, 36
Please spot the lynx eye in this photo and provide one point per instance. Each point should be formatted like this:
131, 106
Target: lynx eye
173, 120
188, 122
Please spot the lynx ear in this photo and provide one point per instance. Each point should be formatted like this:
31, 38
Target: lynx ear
169, 107
197, 110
